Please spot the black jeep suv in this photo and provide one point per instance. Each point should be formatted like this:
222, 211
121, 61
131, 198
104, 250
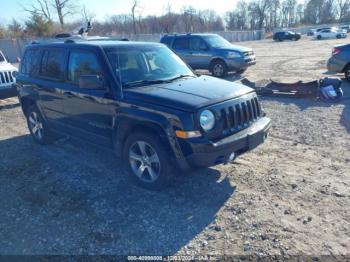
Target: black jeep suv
141, 100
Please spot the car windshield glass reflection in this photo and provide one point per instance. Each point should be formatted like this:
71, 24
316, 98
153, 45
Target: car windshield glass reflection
146, 65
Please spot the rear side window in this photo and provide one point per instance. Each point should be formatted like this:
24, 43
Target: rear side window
82, 63
53, 64
166, 41
181, 43
30, 64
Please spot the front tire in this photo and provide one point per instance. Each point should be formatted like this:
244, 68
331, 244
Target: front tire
147, 161
319, 37
37, 126
219, 69
347, 73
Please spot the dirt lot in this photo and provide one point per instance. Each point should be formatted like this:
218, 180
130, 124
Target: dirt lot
290, 196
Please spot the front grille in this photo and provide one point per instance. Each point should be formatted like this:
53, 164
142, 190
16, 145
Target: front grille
248, 53
241, 115
6, 78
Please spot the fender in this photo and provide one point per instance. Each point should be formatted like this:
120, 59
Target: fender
131, 118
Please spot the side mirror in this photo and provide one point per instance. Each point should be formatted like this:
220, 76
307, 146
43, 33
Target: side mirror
91, 82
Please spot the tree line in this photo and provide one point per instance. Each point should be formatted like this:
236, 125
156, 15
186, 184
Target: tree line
47, 17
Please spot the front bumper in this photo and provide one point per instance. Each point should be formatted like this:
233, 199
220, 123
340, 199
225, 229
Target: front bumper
207, 153
335, 65
7, 91
241, 63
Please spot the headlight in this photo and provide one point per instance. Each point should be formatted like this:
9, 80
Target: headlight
207, 120
233, 55
14, 74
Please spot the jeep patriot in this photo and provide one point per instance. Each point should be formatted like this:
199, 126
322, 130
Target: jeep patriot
142, 101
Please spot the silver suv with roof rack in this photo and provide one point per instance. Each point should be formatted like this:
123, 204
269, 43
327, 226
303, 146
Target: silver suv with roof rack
210, 52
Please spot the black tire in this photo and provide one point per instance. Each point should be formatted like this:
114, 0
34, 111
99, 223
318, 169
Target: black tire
319, 37
218, 68
347, 73
280, 39
37, 126
139, 171
338, 36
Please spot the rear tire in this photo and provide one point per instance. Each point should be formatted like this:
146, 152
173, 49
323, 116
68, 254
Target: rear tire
338, 36
37, 126
147, 161
319, 37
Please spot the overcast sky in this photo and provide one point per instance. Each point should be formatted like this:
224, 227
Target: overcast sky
105, 8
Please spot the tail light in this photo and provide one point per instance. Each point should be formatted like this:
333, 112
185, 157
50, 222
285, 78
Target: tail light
335, 51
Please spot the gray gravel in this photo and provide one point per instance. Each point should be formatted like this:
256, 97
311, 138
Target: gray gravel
289, 196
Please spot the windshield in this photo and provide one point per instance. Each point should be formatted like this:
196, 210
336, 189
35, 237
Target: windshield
217, 41
146, 64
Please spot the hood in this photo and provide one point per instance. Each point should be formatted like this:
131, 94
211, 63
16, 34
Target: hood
188, 94
5, 66
236, 48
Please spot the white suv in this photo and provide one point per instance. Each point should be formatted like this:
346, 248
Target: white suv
7, 78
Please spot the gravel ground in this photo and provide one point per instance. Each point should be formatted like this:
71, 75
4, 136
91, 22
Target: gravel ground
288, 197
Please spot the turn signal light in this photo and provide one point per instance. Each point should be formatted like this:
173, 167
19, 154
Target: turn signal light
187, 134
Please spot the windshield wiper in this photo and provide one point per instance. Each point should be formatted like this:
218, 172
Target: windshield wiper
179, 77
145, 82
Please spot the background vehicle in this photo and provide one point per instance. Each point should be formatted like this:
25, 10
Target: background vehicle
330, 33
345, 27
210, 52
286, 35
140, 99
311, 32
7, 78
339, 62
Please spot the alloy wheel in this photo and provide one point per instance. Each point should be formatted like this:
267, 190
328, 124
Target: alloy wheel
36, 126
144, 161
218, 70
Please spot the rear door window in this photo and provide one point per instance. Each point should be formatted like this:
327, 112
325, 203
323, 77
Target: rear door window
181, 43
53, 64
197, 43
166, 41
30, 64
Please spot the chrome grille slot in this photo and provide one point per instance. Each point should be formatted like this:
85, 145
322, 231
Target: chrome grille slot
240, 115
6, 77
2, 78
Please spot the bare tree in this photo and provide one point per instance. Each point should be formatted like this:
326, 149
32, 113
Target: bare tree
134, 7
63, 8
41, 7
86, 14
343, 6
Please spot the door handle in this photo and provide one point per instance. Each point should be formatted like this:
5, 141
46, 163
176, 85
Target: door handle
68, 94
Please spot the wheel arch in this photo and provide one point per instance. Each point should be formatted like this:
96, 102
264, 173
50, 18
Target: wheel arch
129, 125
345, 67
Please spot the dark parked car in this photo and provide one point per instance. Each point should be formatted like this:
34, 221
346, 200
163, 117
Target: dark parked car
286, 35
141, 100
210, 52
340, 60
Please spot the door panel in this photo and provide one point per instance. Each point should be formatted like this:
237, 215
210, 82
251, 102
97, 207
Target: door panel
200, 55
89, 114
